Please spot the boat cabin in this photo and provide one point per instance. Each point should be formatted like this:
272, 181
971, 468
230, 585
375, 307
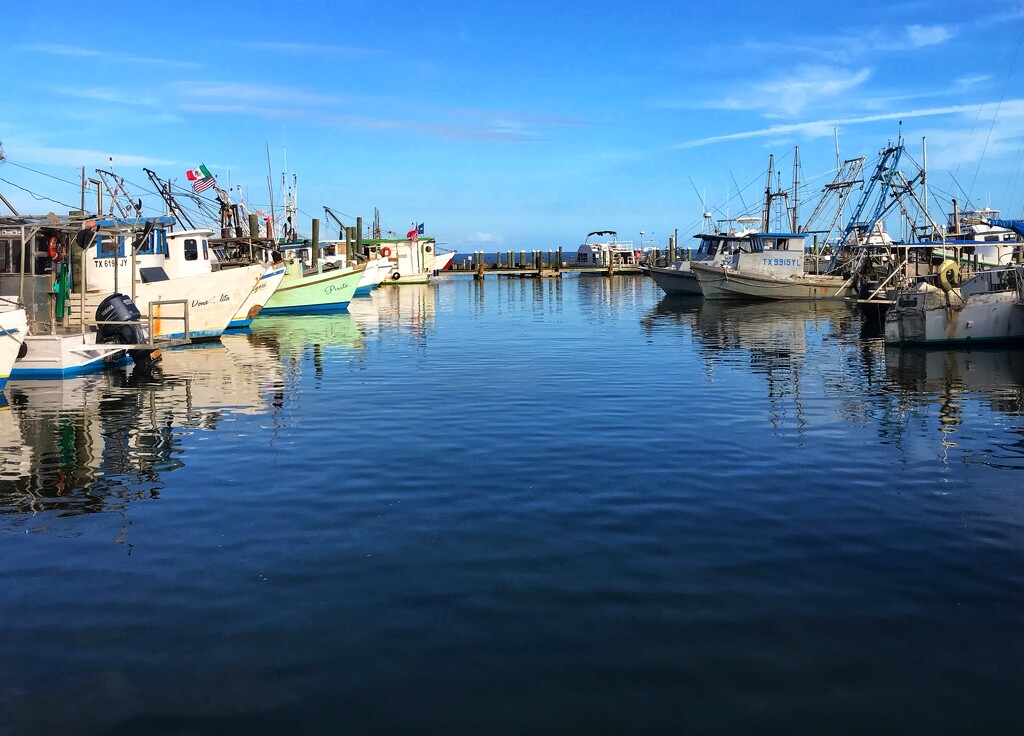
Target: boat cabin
609, 250
717, 244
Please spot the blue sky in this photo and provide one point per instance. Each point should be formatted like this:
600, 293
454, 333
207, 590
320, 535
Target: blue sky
512, 125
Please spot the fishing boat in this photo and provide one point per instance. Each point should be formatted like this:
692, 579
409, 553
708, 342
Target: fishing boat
443, 261
168, 270
334, 254
765, 265
988, 307
678, 277
610, 250
13, 329
57, 346
322, 287
412, 259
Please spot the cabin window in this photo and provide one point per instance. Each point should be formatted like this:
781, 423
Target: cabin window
991, 238
106, 246
757, 245
191, 250
782, 244
206, 251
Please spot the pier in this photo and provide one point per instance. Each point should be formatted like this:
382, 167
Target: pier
550, 264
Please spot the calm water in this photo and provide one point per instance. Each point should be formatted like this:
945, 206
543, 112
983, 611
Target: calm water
550, 507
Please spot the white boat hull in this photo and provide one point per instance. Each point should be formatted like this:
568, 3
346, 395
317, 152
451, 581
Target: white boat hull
926, 317
64, 356
676, 278
718, 282
258, 297
13, 330
213, 300
443, 260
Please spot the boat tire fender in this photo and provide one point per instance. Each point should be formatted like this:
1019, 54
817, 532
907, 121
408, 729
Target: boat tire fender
395, 276
949, 275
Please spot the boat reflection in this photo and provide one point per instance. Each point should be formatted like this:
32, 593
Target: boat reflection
412, 307
768, 340
96, 443
314, 338
953, 381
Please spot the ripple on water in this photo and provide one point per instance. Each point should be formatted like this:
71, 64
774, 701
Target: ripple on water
624, 510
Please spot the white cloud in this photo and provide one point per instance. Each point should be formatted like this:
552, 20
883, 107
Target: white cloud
920, 36
60, 49
288, 47
818, 128
791, 95
73, 157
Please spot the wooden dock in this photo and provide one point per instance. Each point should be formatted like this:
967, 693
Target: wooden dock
537, 264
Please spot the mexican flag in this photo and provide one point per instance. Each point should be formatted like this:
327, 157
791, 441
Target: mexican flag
196, 174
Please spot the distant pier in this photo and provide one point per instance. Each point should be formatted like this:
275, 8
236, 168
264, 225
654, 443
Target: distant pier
540, 264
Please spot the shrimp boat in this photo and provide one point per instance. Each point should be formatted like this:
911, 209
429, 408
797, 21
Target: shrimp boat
986, 308
766, 266
141, 258
942, 308
49, 253
318, 288
13, 328
333, 254
678, 277
412, 260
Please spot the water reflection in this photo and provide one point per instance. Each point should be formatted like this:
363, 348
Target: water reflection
952, 383
315, 338
96, 443
413, 307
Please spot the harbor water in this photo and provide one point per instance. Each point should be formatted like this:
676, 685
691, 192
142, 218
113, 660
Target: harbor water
519, 506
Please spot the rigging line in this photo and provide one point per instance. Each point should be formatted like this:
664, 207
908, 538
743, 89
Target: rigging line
43, 173
1016, 175
999, 104
39, 196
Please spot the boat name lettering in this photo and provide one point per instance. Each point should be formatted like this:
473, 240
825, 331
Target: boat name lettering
198, 303
225, 297
331, 288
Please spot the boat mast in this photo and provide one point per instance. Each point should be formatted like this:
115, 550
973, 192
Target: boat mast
766, 215
270, 188
796, 184
172, 204
924, 175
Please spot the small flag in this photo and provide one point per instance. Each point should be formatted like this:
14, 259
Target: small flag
196, 174
201, 178
419, 228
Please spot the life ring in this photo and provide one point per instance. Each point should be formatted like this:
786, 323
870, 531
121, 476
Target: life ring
949, 275
55, 252
395, 276
385, 251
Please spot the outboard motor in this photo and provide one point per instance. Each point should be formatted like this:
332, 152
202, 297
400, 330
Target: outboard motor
119, 309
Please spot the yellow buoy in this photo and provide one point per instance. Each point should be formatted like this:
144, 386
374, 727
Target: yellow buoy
949, 275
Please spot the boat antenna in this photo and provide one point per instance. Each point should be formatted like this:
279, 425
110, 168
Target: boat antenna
796, 183
766, 213
739, 191
270, 187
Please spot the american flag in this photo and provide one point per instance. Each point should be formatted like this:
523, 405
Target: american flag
201, 185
